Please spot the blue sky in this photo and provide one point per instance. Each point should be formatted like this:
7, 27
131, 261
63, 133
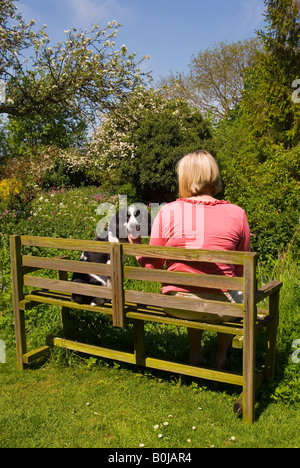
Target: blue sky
170, 31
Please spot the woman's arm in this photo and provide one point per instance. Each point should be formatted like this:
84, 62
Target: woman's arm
244, 242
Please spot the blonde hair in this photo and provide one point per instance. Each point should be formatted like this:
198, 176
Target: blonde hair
198, 172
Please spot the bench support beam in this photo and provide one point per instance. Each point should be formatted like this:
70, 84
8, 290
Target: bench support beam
159, 364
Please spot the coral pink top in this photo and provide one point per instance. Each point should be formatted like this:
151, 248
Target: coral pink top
195, 224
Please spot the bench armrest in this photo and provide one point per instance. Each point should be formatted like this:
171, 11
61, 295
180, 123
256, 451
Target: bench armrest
267, 289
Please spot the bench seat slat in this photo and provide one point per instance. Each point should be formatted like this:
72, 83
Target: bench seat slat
226, 327
63, 300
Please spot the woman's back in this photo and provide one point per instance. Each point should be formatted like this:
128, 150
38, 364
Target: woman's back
197, 224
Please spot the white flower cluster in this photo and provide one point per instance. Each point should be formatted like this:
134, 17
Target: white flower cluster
114, 139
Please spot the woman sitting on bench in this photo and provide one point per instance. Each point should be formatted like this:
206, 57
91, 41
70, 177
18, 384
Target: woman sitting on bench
197, 220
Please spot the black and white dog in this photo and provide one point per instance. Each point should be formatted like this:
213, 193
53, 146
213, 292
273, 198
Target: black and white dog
136, 222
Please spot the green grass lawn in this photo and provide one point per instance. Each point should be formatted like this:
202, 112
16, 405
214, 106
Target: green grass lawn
96, 404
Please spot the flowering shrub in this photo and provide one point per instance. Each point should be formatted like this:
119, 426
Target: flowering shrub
26, 176
8, 221
65, 212
28, 172
114, 141
60, 212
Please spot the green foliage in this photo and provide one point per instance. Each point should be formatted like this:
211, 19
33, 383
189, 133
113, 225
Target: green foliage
31, 171
282, 31
270, 112
61, 212
161, 140
142, 141
286, 268
32, 133
266, 185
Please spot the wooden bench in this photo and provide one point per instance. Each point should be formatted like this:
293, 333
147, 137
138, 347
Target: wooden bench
137, 307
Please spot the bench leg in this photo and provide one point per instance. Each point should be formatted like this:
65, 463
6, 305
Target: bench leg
272, 335
64, 316
139, 342
20, 337
238, 404
249, 398
17, 283
249, 368
249, 342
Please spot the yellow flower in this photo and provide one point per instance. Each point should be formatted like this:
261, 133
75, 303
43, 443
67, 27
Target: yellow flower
9, 187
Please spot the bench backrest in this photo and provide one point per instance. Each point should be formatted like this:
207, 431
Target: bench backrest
23, 265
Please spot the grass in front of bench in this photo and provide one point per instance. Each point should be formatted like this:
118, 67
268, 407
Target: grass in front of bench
88, 403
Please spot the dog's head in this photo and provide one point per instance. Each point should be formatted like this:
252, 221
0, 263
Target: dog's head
135, 220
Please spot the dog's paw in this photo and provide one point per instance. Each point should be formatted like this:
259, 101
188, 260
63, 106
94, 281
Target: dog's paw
97, 302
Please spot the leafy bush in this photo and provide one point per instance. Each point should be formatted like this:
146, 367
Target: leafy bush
286, 268
160, 141
264, 183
